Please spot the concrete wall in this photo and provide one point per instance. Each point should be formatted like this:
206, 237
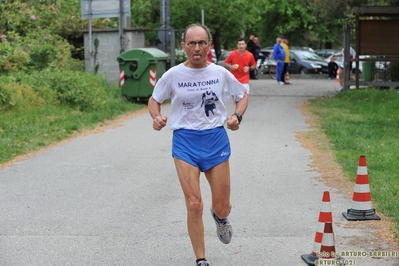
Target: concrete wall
109, 48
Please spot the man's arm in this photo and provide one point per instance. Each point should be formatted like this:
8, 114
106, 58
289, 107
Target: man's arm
230, 66
158, 121
227, 63
241, 107
339, 54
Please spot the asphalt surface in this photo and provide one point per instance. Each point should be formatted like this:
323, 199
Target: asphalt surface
113, 198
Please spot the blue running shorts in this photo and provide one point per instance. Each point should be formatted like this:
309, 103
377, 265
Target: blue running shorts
201, 148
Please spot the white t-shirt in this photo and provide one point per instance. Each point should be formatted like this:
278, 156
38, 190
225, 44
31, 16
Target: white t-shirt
352, 54
198, 95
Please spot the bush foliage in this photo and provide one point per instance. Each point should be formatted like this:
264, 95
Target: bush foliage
79, 90
34, 52
36, 64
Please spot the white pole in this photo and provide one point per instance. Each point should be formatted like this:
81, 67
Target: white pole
203, 17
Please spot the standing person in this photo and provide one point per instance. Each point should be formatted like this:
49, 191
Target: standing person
352, 55
258, 53
279, 56
241, 62
332, 68
251, 46
284, 44
199, 91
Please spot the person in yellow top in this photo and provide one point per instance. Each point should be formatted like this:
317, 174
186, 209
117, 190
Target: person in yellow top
284, 44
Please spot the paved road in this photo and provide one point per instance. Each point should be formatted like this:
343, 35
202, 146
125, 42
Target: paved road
113, 198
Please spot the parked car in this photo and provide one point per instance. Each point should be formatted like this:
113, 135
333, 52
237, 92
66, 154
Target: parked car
305, 48
222, 57
306, 62
302, 60
325, 53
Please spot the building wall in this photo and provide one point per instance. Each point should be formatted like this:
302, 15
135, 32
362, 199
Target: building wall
109, 48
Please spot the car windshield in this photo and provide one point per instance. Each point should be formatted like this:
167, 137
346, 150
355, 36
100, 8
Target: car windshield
305, 55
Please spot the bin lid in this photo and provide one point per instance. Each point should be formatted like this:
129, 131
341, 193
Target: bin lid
142, 54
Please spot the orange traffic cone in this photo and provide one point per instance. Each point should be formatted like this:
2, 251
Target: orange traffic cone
361, 200
337, 77
325, 216
287, 78
327, 249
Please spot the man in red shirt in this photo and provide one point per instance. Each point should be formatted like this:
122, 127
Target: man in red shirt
241, 62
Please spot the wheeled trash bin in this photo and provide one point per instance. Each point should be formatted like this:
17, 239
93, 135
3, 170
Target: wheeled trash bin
140, 68
367, 71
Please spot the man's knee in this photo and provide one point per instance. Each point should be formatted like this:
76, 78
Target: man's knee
222, 209
195, 206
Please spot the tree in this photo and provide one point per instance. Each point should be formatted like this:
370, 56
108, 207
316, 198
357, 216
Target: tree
290, 18
146, 13
225, 19
63, 18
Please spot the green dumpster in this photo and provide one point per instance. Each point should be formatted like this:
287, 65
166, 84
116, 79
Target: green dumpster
140, 69
366, 72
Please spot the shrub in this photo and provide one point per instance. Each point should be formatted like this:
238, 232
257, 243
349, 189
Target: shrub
12, 58
5, 98
35, 52
79, 90
42, 56
18, 96
181, 56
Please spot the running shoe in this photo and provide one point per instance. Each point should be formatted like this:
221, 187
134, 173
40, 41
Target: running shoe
223, 228
203, 263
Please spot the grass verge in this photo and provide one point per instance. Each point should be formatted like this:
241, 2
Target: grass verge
33, 118
364, 122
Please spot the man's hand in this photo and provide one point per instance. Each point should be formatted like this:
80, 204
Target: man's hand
159, 122
232, 122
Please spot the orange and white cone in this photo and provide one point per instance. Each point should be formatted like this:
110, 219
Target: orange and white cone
361, 200
325, 216
327, 249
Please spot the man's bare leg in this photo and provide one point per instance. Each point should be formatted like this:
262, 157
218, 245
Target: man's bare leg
189, 180
219, 181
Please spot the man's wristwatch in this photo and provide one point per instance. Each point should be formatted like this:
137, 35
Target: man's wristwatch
239, 117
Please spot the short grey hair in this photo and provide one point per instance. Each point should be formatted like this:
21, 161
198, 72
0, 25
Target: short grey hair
208, 31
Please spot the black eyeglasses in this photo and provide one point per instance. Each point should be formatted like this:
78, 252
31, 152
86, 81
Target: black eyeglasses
192, 44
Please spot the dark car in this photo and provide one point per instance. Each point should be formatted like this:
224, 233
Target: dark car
304, 62
325, 53
223, 57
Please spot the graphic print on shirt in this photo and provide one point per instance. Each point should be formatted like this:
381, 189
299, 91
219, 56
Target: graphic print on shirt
208, 101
